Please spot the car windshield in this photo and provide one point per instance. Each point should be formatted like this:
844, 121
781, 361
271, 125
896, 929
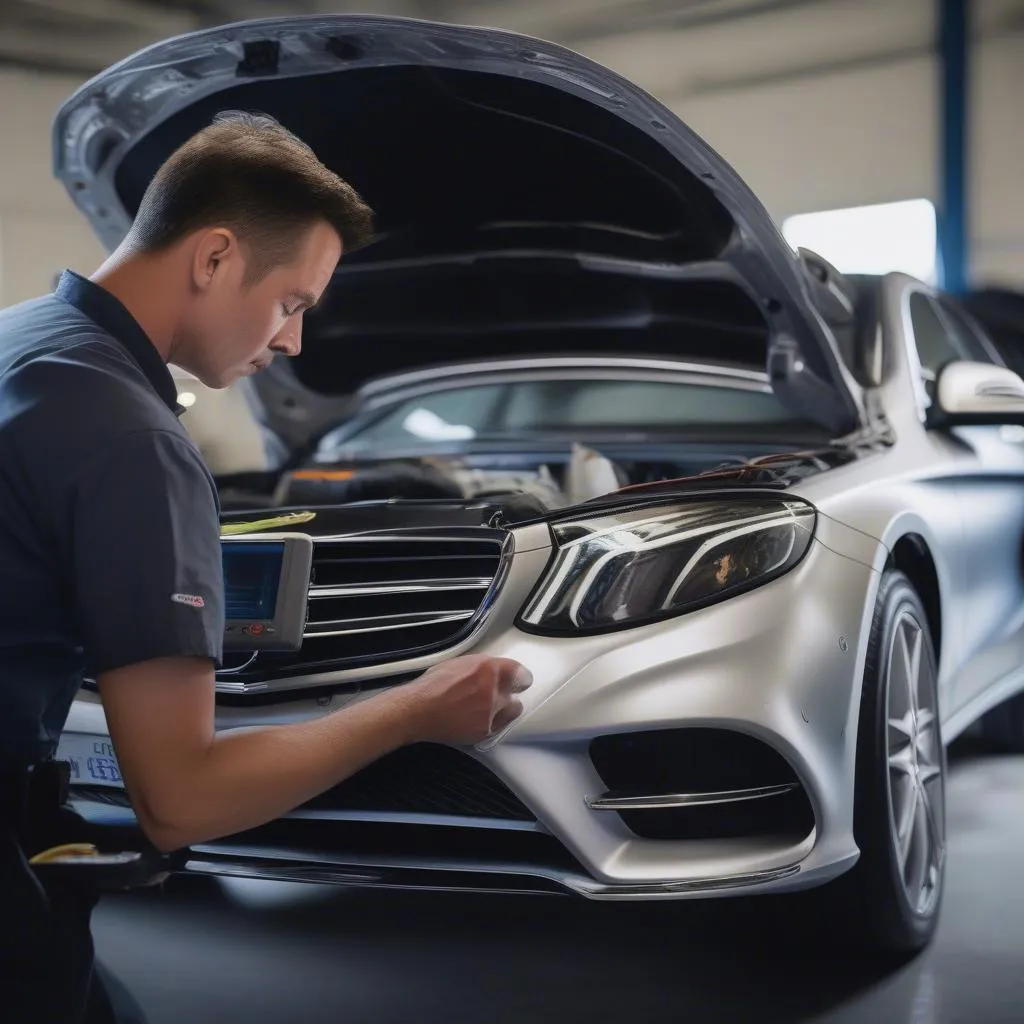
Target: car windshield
558, 407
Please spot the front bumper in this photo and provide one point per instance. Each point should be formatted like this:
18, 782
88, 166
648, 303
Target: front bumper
780, 664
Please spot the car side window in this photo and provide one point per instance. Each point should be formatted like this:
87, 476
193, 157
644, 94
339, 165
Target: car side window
599, 404
973, 339
459, 414
936, 341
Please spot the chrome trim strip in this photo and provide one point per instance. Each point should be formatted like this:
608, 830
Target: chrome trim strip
408, 621
718, 883
470, 877
388, 385
998, 389
661, 801
417, 818
230, 686
400, 587
340, 876
364, 537
87, 803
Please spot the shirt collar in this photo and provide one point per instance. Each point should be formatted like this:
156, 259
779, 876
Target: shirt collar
109, 314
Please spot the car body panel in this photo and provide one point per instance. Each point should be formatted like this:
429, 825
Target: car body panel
696, 669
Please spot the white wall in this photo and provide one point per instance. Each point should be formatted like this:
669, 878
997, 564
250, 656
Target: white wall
997, 163
843, 139
835, 139
41, 232
873, 135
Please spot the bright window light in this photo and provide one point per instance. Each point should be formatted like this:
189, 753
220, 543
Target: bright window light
430, 427
871, 239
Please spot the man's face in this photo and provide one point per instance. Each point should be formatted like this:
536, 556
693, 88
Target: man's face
233, 329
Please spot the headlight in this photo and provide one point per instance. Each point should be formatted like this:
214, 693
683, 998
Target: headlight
626, 568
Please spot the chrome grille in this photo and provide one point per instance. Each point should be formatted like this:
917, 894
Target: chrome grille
387, 596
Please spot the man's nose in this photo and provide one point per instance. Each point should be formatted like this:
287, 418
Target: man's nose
289, 341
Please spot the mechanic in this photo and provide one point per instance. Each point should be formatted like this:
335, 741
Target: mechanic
110, 539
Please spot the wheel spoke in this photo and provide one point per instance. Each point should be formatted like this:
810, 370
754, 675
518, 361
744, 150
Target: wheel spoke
925, 721
905, 827
917, 877
902, 725
900, 681
914, 671
903, 760
928, 750
935, 836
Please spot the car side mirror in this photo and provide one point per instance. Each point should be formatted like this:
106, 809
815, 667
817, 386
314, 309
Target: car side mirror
969, 393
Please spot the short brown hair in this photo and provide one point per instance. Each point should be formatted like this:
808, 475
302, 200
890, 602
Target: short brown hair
250, 174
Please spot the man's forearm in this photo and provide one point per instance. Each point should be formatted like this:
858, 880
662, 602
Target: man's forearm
251, 776
190, 784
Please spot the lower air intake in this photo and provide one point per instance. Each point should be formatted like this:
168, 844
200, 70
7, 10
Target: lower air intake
426, 778
729, 785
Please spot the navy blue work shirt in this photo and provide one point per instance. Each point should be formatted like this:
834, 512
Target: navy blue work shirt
109, 519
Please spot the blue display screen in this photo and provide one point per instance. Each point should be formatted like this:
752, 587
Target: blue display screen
252, 575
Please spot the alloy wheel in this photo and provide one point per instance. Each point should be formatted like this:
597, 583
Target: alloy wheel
916, 765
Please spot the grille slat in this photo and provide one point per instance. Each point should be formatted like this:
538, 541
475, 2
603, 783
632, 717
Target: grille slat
378, 559
383, 597
400, 587
337, 572
345, 627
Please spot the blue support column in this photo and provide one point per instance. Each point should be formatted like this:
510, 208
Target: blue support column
953, 222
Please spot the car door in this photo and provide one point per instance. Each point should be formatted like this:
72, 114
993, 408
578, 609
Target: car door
989, 601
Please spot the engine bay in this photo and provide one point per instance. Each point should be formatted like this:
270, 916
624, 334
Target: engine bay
524, 484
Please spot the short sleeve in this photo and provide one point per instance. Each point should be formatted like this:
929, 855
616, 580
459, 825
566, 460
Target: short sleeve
148, 577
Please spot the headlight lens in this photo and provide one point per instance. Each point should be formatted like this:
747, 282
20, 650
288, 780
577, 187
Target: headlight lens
626, 568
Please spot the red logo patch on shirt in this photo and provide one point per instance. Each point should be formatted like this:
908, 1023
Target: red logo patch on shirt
192, 600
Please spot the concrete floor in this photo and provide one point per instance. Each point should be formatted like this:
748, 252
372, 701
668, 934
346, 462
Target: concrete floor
191, 955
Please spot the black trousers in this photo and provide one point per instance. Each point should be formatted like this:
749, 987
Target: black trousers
48, 969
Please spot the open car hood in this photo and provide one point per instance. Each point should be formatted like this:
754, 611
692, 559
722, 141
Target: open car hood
528, 200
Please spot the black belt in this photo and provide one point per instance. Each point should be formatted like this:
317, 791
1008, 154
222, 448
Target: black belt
31, 795
13, 792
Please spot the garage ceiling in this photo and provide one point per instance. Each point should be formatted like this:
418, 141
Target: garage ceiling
674, 48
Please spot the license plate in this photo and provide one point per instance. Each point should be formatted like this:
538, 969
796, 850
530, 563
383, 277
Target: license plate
92, 760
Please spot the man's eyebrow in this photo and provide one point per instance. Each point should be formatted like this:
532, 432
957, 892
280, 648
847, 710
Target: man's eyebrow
308, 299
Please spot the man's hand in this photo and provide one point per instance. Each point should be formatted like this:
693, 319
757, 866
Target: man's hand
465, 700
189, 783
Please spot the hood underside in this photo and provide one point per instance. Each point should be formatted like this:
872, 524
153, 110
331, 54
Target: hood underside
528, 201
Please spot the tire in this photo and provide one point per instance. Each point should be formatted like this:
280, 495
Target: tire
890, 901
1003, 727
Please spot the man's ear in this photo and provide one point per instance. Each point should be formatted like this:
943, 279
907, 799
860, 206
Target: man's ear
214, 250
